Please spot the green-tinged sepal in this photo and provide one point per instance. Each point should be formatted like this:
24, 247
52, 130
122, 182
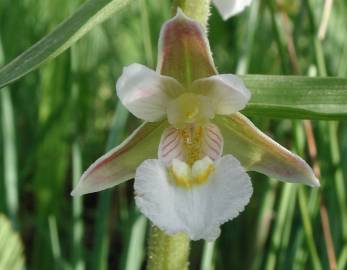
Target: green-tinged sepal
119, 165
184, 51
258, 152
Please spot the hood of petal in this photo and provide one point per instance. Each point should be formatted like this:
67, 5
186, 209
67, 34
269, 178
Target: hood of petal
184, 52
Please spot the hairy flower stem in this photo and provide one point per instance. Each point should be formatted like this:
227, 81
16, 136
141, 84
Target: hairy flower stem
198, 10
167, 252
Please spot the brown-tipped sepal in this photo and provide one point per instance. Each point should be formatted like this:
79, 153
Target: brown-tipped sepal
184, 51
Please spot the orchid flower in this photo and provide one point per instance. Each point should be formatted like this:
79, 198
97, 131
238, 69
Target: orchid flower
229, 8
191, 155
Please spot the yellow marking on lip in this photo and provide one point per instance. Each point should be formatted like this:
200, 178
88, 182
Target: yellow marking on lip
185, 177
180, 180
204, 175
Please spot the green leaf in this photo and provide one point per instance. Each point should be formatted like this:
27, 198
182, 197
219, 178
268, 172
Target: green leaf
61, 38
9, 152
11, 249
135, 252
297, 97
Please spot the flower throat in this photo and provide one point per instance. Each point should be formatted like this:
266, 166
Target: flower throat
192, 139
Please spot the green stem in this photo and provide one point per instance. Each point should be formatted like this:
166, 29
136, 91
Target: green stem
198, 10
167, 252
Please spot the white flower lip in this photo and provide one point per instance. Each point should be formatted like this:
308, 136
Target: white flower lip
197, 211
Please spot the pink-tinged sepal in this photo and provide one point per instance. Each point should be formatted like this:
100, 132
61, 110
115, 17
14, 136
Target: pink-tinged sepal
258, 152
119, 164
184, 51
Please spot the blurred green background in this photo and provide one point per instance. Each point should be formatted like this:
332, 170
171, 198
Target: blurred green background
57, 120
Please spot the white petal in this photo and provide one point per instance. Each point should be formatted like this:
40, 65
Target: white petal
176, 143
227, 92
229, 8
199, 210
146, 93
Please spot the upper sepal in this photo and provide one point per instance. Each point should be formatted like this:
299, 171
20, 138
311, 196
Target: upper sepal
184, 51
119, 164
258, 152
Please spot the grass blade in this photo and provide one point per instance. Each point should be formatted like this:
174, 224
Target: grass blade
263, 224
68, 32
54, 237
297, 97
77, 209
207, 262
308, 229
287, 194
136, 252
10, 154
